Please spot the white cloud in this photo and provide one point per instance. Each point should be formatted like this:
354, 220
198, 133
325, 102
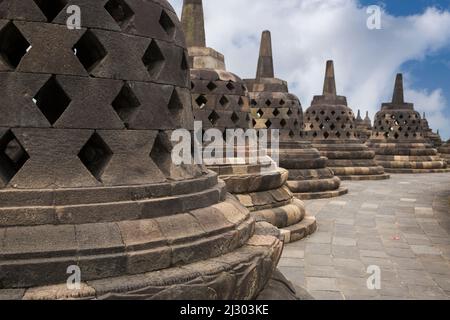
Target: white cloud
306, 33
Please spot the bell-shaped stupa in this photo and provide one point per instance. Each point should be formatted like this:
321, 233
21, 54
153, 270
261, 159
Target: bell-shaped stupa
363, 127
87, 182
330, 125
444, 152
399, 140
220, 101
273, 107
431, 136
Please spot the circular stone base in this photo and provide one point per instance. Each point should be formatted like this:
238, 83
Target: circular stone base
322, 195
239, 275
299, 230
365, 177
416, 171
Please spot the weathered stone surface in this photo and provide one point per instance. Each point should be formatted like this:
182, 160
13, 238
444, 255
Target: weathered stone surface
86, 174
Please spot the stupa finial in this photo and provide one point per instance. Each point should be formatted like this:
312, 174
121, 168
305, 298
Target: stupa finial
265, 62
398, 97
329, 86
193, 22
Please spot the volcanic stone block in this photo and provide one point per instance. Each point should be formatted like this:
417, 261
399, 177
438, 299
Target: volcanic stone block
91, 104
21, 10
51, 49
398, 138
444, 151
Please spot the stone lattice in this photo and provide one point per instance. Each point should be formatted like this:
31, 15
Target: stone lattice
220, 101
330, 125
399, 140
444, 152
273, 107
431, 136
363, 127
86, 176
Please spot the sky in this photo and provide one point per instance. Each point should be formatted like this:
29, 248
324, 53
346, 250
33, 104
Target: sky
414, 39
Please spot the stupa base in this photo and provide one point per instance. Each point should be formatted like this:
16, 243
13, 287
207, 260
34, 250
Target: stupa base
416, 171
322, 195
366, 177
238, 275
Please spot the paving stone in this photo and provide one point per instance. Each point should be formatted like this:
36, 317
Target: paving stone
319, 260
426, 250
321, 284
327, 295
348, 242
318, 248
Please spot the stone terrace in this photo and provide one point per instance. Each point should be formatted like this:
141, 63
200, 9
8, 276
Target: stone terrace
401, 225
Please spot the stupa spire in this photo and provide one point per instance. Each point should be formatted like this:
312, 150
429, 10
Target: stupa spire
359, 115
193, 22
265, 62
398, 97
329, 86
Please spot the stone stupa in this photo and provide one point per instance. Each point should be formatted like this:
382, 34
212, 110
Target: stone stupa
330, 125
444, 152
363, 127
220, 101
431, 136
86, 177
273, 107
399, 140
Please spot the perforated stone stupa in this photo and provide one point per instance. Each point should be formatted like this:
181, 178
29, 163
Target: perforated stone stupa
86, 176
431, 136
363, 127
220, 101
330, 125
399, 140
444, 152
273, 107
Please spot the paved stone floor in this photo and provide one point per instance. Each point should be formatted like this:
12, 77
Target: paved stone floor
401, 225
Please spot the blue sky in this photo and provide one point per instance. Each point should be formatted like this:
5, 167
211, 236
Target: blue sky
415, 40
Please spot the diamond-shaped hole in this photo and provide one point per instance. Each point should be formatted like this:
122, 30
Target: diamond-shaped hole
126, 103
120, 11
332, 127
268, 124
283, 123
201, 101
153, 59
282, 102
326, 135
253, 103
89, 50
52, 100
268, 103
167, 24
291, 134
175, 103
184, 62
276, 112
161, 153
95, 155
259, 113
211, 86
13, 45
241, 102
234, 118
289, 113
230, 86
51, 8
12, 157
213, 118
224, 101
